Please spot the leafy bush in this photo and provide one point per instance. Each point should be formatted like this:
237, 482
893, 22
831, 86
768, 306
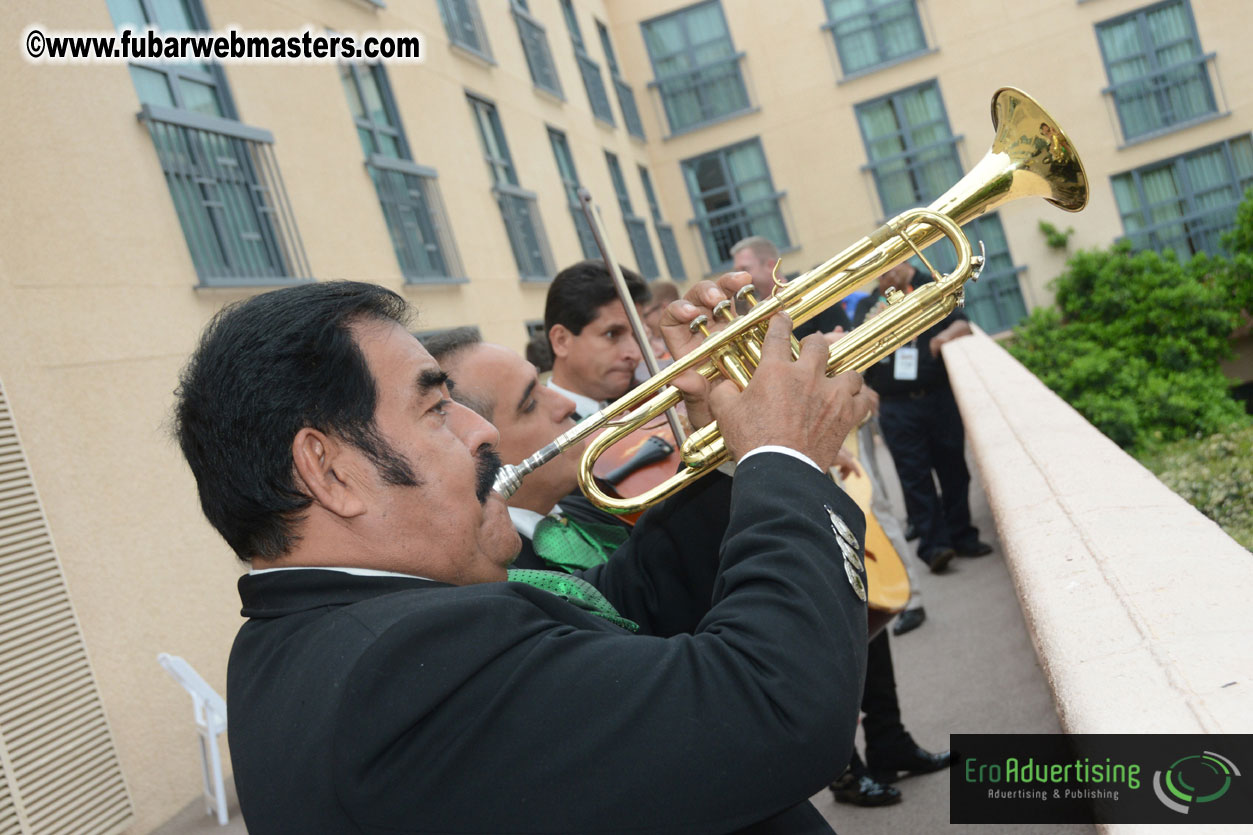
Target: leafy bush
1054, 237
1214, 475
1136, 339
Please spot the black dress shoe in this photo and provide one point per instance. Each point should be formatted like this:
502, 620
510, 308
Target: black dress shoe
939, 559
863, 791
979, 549
911, 532
885, 769
909, 620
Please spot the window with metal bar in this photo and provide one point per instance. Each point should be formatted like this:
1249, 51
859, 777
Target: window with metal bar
519, 208
734, 198
626, 96
665, 232
570, 183
870, 33
913, 154
539, 60
637, 229
408, 193
1187, 202
222, 175
589, 70
696, 68
1157, 73
465, 26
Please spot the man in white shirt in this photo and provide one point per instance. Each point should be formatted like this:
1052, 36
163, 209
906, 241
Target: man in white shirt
594, 351
504, 388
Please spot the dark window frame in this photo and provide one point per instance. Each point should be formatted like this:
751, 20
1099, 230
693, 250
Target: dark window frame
564, 157
912, 151
466, 17
408, 193
222, 174
1195, 219
1156, 73
665, 232
536, 50
875, 24
736, 210
626, 96
637, 228
519, 208
589, 70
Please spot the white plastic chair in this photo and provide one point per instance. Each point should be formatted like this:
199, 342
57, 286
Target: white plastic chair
210, 710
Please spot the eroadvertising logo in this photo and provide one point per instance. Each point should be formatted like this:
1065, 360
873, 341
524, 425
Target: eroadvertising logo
1210, 775
1099, 778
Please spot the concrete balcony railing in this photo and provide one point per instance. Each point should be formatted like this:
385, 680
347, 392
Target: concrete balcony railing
1137, 604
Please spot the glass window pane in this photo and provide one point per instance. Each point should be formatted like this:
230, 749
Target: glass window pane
389, 146
173, 15
153, 87
355, 105
372, 90
202, 98
1242, 155
127, 13
1154, 60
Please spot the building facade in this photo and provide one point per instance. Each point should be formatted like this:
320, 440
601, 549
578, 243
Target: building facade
140, 199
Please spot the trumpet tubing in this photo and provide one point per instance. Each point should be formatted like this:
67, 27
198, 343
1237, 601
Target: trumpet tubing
1030, 156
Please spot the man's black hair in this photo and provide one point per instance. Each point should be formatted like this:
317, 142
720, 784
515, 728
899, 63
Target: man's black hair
581, 289
539, 353
266, 368
445, 343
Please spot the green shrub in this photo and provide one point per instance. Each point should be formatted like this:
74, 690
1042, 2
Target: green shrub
1214, 474
1054, 237
1135, 344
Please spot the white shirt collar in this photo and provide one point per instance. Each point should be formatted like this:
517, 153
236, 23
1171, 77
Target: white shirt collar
360, 572
584, 405
525, 521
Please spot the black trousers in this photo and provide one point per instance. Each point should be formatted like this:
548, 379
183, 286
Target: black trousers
925, 435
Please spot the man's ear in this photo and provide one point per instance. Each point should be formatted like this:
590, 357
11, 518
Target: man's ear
559, 337
324, 466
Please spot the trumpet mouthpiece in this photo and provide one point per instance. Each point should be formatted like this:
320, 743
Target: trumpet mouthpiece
507, 482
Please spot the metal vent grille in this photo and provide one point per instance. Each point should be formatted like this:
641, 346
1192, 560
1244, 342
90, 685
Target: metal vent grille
59, 772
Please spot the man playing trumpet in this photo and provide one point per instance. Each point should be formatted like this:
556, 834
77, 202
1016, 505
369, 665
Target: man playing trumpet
390, 679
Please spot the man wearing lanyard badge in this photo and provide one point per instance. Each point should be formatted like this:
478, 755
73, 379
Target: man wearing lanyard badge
923, 428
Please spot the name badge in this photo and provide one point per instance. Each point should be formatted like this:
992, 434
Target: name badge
906, 365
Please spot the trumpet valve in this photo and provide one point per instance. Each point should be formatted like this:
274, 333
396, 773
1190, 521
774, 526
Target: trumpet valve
700, 323
746, 295
978, 262
725, 309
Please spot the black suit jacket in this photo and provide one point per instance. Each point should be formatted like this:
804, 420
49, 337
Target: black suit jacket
391, 704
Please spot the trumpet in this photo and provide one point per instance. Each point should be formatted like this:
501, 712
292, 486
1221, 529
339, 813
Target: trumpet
1030, 156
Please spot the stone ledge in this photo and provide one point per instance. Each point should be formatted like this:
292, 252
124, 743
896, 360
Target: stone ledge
1137, 604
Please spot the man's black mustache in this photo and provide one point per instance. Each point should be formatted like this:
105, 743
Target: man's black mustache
488, 466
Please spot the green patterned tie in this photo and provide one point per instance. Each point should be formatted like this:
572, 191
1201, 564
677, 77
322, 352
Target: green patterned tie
575, 546
576, 590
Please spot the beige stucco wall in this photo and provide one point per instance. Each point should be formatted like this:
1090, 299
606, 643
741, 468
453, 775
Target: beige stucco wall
99, 304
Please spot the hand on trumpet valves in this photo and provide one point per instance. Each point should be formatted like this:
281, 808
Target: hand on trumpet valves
680, 338
791, 403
